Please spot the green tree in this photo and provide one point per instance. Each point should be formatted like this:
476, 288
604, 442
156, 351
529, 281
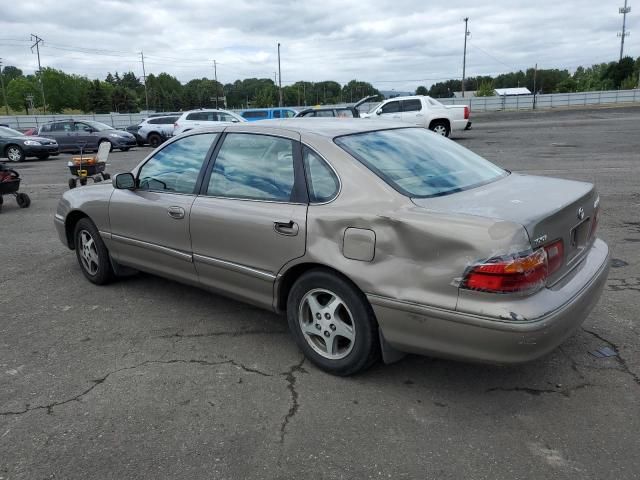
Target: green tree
17, 91
485, 89
422, 90
10, 72
98, 99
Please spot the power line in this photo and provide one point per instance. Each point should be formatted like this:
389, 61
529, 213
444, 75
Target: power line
38, 41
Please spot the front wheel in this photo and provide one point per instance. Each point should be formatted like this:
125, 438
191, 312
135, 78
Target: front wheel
441, 128
154, 140
92, 253
333, 323
15, 153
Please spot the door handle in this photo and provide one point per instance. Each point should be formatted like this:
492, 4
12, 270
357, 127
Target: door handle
289, 228
176, 212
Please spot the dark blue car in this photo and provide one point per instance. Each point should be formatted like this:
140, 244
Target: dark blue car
254, 114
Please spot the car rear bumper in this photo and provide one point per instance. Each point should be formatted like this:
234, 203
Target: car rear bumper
433, 331
468, 127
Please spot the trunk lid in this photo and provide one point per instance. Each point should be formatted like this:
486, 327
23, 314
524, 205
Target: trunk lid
550, 209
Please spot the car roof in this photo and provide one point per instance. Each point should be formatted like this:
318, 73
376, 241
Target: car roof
326, 127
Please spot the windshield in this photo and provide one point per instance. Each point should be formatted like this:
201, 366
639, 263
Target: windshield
419, 163
9, 132
97, 125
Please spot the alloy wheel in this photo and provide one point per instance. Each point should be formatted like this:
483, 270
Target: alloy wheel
14, 154
327, 324
89, 253
440, 130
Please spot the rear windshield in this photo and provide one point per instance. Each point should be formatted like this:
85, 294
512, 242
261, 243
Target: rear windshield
419, 163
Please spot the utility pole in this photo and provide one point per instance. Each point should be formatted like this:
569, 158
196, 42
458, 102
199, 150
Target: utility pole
535, 74
38, 41
623, 10
144, 77
215, 77
279, 77
4, 95
464, 56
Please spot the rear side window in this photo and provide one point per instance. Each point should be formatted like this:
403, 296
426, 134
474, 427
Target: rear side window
324, 113
260, 114
322, 182
345, 113
197, 116
45, 128
256, 167
175, 168
418, 163
414, 105
276, 114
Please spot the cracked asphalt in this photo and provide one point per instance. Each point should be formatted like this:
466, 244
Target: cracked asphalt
147, 378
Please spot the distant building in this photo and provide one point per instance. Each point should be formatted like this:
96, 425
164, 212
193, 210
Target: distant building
507, 92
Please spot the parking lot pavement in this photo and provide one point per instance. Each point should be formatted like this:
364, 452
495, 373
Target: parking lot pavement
146, 378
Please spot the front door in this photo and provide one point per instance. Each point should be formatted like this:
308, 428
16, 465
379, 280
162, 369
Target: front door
391, 111
150, 225
250, 219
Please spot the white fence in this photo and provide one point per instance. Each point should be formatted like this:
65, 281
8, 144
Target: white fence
477, 104
116, 120
546, 101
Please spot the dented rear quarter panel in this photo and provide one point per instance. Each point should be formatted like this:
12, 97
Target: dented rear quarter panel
420, 255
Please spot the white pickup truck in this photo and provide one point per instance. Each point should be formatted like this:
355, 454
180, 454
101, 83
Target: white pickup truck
425, 112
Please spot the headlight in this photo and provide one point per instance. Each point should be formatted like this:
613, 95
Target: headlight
31, 142
115, 135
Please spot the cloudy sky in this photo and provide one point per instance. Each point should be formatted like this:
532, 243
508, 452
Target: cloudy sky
394, 44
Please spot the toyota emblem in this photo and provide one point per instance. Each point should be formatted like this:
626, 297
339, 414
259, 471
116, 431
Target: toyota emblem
580, 213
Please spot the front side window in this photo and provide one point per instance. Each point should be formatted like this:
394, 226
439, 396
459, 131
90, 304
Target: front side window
62, 127
324, 113
418, 163
223, 117
391, 107
322, 183
257, 167
175, 168
289, 114
345, 113
276, 114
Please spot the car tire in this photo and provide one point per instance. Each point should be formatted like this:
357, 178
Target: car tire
154, 140
105, 140
42, 157
14, 153
91, 252
72, 183
333, 323
440, 127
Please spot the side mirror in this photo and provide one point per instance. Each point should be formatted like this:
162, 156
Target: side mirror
124, 181
379, 111
235, 120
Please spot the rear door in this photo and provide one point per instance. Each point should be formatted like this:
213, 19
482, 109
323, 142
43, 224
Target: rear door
250, 219
150, 225
63, 133
412, 111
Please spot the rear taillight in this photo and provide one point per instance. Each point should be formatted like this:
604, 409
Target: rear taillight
509, 275
555, 256
467, 111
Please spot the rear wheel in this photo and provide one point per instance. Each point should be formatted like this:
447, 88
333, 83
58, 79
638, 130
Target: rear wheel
154, 140
14, 153
23, 200
92, 253
440, 127
333, 323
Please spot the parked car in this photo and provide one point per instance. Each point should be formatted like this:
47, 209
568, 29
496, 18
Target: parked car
425, 112
133, 130
254, 114
88, 134
17, 146
31, 131
156, 130
346, 111
373, 238
203, 118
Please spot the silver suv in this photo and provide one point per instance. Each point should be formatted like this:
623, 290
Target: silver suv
156, 130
